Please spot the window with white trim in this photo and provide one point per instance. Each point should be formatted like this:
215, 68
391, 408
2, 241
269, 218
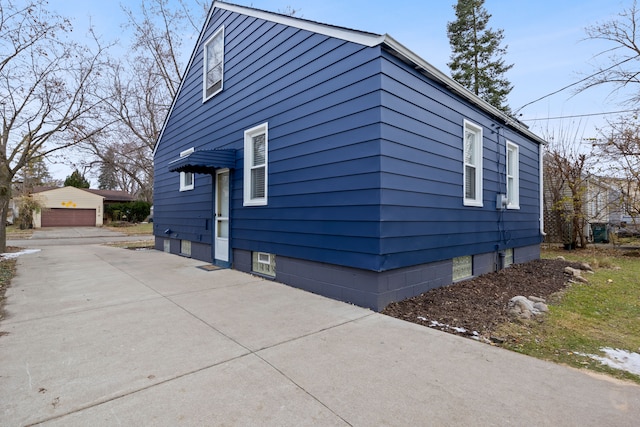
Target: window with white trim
213, 65
513, 176
472, 173
256, 159
186, 178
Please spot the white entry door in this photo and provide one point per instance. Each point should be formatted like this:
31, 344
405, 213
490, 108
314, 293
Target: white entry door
222, 215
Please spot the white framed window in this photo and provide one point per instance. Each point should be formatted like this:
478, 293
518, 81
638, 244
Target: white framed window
186, 178
472, 173
213, 72
513, 176
263, 263
256, 160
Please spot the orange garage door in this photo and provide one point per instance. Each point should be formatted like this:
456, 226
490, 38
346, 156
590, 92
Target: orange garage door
58, 217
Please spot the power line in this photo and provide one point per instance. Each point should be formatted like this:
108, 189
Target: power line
578, 115
573, 84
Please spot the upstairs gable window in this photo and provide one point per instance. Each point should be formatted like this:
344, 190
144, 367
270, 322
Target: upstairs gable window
213, 65
472, 173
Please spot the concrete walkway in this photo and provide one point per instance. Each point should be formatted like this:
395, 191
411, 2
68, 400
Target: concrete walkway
104, 336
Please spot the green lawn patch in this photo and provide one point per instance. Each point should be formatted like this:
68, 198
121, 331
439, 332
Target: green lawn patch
131, 229
587, 318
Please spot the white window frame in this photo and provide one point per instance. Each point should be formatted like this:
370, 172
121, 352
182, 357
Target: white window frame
249, 166
477, 154
205, 96
184, 185
513, 175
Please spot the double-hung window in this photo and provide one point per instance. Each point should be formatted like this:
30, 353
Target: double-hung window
213, 65
513, 179
472, 173
186, 178
256, 157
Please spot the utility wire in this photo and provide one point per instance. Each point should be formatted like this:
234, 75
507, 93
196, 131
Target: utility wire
573, 84
579, 115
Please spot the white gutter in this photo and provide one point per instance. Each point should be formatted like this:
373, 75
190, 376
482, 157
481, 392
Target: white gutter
437, 75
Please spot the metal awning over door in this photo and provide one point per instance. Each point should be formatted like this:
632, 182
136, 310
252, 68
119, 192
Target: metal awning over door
204, 161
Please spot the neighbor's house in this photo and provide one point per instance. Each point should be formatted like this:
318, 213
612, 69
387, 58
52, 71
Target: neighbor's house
340, 162
71, 206
67, 206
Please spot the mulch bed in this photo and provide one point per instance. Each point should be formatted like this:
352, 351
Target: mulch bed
480, 304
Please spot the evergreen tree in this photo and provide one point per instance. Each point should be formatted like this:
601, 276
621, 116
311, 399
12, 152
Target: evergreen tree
76, 180
108, 180
34, 174
476, 58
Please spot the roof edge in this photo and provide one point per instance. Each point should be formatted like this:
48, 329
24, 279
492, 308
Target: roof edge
425, 67
355, 36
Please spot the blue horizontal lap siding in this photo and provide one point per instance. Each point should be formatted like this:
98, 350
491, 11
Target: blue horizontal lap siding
422, 212
364, 154
320, 98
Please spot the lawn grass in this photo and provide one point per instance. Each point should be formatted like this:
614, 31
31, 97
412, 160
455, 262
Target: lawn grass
15, 233
133, 229
7, 271
587, 317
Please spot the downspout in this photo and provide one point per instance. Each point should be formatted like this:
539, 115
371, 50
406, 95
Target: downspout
541, 174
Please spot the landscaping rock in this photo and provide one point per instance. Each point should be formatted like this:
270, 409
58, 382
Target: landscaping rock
586, 266
541, 307
523, 308
575, 275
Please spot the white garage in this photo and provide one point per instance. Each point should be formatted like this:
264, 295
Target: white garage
69, 207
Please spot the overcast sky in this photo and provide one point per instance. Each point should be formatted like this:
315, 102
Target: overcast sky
546, 43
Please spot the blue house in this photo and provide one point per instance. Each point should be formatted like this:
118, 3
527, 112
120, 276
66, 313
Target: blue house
339, 162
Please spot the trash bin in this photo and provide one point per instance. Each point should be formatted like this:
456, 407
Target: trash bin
600, 233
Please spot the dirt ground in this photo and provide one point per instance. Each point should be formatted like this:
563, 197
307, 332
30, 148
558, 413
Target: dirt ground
480, 304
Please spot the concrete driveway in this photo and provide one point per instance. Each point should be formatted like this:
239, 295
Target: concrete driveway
103, 336
55, 236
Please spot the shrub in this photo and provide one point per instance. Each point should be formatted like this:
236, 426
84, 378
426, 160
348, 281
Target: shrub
128, 211
27, 205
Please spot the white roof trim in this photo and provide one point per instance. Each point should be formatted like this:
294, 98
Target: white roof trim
428, 69
355, 36
365, 39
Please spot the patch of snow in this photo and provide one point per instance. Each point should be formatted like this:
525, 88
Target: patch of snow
457, 329
424, 319
12, 255
618, 359
435, 323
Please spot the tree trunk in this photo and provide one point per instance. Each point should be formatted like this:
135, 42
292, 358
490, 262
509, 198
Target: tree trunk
5, 197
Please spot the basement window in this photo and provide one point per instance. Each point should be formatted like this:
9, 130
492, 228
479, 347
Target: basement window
462, 268
264, 264
508, 257
185, 247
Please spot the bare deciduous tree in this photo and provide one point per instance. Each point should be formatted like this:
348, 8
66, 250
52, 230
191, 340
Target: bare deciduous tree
139, 89
567, 170
619, 144
620, 69
44, 98
620, 148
